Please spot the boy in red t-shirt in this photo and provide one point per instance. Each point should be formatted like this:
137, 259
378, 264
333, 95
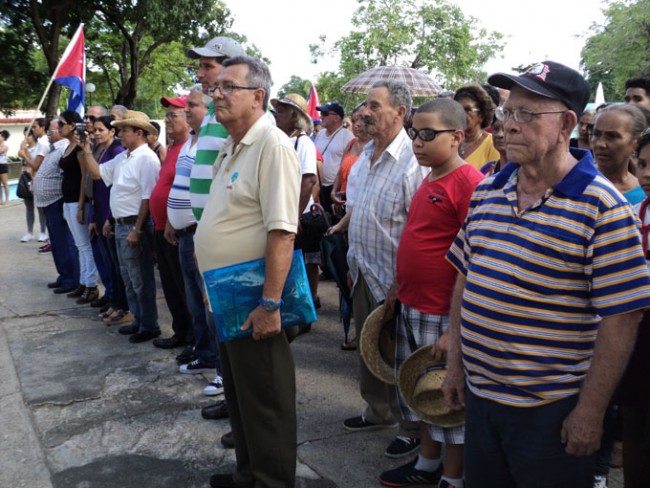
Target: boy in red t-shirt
425, 279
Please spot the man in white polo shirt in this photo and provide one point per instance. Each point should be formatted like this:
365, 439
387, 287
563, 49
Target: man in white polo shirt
133, 175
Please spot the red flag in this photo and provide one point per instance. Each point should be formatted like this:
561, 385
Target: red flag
312, 103
71, 71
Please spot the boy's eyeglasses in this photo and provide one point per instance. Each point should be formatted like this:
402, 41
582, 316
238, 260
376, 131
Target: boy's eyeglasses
426, 135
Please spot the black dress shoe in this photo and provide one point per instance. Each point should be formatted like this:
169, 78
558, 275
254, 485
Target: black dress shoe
223, 481
54, 284
228, 440
187, 356
64, 289
100, 302
128, 329
215, 412
168, 343
145, 335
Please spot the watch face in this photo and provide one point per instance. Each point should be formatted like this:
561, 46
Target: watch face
270, 305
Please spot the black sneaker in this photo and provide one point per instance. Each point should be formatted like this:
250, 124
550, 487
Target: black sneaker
407, 475
196, 367
402, 446
358, 424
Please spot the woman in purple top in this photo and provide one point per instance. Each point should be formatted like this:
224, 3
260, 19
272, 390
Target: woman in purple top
106, 148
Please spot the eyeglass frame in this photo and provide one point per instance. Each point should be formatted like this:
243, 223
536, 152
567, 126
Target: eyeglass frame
411, 130
503, 115
228, 89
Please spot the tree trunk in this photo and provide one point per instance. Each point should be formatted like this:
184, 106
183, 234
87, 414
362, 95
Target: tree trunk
53, 97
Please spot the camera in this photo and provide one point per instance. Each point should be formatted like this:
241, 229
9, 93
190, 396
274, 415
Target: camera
81, 131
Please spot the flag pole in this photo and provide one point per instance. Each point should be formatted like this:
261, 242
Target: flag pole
65, 53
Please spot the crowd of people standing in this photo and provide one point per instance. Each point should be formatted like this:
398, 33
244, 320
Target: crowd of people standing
473, 223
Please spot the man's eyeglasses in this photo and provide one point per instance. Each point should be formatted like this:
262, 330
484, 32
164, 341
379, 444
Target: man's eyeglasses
173, 115
228, 89
426, 135
49, 132
92, 118
521, 115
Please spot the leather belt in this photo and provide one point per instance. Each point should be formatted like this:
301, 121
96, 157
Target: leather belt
190, 230
126, 220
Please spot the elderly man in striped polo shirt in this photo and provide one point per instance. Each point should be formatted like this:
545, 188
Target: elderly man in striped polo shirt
552, 282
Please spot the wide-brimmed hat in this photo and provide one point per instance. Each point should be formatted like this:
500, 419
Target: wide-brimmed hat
299, 103
218, 47
377, 345
133, 118
419, 380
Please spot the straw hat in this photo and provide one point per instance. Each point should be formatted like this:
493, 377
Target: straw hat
377, 345
419, 380
139, 120
299, 103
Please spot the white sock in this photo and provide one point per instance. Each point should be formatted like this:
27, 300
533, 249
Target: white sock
455, 482
426, 464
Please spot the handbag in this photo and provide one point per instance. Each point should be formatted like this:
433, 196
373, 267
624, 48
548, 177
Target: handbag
313, 226
24, 188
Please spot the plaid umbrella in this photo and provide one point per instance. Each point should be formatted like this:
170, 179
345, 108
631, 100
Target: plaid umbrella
420, 84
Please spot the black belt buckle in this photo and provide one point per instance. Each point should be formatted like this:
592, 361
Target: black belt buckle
189, 230
127, 220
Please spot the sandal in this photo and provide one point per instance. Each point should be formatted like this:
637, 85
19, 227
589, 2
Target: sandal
118, 317
107, 313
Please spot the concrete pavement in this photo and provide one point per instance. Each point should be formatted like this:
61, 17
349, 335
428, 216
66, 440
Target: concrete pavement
82, 407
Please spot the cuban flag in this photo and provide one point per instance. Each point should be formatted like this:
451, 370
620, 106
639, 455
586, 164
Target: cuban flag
71, 72
313, 102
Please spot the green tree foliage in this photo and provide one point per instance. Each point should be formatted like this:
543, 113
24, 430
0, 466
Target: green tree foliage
433, 36
619, 48
295, 85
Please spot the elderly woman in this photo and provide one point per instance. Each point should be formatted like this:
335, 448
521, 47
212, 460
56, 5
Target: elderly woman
291, 117
477, 147
614, 137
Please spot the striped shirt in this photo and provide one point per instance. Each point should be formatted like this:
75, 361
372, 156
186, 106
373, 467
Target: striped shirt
381, 206
49, 178
539, 281
179, 208
212, 136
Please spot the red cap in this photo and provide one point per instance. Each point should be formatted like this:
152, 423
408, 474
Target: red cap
174, 102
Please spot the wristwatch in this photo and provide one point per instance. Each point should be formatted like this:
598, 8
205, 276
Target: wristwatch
269, 304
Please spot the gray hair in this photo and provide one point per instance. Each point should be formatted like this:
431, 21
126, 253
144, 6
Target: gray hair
199, 88
639, 122
258, 74
398, 93
121, 109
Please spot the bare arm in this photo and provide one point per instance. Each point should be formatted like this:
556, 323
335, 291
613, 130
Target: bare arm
306, 187
343, 224
91, 165
454, 385
279, 250
582, 429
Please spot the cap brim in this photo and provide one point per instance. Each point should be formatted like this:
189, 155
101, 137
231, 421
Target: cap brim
506, 81
202, 52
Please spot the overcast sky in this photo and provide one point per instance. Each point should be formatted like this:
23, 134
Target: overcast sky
534, 31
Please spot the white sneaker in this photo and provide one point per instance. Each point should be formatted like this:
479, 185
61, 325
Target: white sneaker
27, 237
42, 237
214, 388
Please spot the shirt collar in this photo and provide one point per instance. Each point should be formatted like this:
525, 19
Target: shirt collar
61, 144
139, 149
572, 185
394, 149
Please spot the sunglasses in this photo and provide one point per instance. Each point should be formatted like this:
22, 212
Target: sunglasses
426, 135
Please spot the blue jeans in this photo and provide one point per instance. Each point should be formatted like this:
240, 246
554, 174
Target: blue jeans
136, 266
205, 344
100, 254
118, 290
64, 251
508, 447
87, 268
